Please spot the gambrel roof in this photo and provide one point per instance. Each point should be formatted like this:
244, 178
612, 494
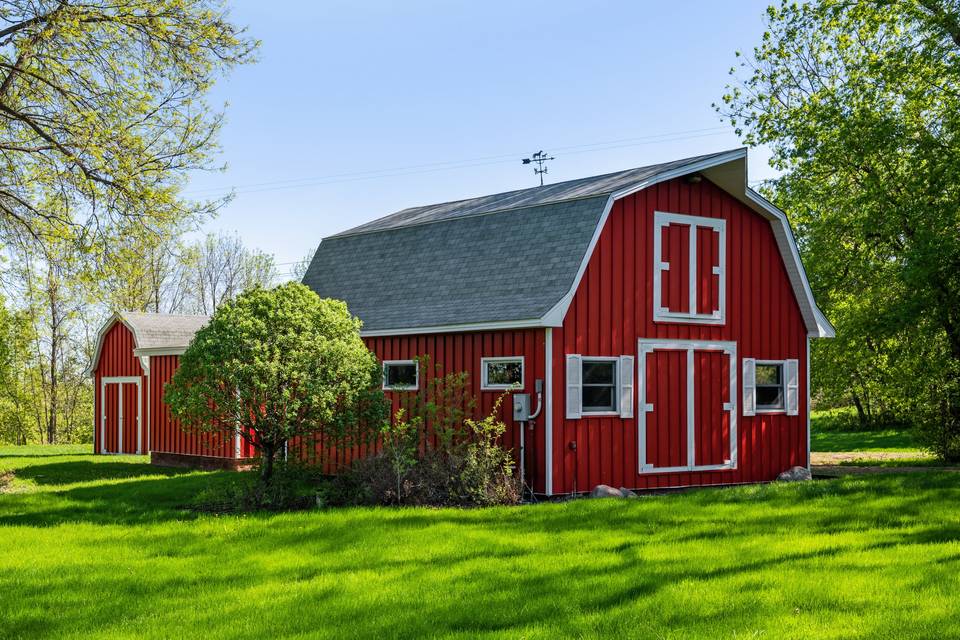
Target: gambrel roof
153, 333
511, 259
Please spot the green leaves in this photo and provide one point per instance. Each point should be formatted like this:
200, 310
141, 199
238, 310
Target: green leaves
860, 103
278, 364
102, 113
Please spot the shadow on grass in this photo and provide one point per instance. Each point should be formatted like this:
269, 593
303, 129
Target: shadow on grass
58, 473
452, 571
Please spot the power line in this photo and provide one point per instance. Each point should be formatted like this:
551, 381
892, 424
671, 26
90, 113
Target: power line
297, 183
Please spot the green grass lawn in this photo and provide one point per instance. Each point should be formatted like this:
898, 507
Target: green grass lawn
888, 440
98, 546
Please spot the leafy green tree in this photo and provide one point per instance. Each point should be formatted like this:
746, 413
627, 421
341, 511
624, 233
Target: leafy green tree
15, 426
102, 113
860, 104
279, 364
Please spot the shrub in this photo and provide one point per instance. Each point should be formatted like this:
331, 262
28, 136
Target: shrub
292, 487
467, 466
938, 421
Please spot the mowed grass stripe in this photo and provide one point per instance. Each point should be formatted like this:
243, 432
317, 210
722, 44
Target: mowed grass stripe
100, 547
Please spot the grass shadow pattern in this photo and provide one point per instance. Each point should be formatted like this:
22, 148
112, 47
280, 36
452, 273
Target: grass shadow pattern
111, 551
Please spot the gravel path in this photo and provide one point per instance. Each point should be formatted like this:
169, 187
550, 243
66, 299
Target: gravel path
831, 463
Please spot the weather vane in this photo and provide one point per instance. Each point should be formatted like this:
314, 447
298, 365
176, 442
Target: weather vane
540, 159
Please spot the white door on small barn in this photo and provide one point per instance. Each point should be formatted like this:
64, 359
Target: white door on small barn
120, 423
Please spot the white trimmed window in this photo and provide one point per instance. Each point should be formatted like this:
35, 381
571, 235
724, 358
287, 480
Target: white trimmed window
771, 386
401, 375
497, 374
697, 246
599, 386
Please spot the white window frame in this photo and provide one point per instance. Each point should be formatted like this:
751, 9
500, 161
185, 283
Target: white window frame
486, 386
783, 385
645, 347
388, 363
662, 220
613, 360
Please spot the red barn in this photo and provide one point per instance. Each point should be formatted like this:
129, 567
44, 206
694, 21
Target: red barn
136, 354
659, 317
664, 311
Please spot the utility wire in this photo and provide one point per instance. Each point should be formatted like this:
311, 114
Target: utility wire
297, 183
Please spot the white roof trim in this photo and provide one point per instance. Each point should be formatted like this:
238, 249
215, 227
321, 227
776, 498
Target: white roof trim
159, 351
536, 323
102, 335
817, 324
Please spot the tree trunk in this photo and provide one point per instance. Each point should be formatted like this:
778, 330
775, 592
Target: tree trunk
861, 414
266, 463
54, 353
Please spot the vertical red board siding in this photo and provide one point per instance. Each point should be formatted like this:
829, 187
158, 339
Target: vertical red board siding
131, 409
762, 318
675, 281
456, 352
166, 435
110, 435
117, 360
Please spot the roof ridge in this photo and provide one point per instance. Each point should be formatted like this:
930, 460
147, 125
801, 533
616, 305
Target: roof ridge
377, 224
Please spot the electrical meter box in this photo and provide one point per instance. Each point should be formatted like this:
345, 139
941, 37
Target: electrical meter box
521, 407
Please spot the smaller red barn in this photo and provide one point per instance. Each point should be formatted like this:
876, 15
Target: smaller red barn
135, 356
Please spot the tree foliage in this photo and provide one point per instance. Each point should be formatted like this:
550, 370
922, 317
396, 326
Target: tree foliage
274, 365
860, 104
102, 112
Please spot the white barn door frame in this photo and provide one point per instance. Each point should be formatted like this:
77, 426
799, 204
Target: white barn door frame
119, 381
645, 347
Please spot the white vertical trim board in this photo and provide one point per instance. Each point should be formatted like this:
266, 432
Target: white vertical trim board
548, 409
662, 220
807, 372
646, 347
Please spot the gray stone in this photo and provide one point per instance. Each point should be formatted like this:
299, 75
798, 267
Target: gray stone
795, 474
604, 491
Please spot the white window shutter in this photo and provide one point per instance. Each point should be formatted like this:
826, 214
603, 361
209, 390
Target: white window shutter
749, 387
626, 386
791, 375
574, 386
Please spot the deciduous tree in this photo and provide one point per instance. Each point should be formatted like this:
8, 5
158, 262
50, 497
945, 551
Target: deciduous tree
278, 364
860, 103
102, 112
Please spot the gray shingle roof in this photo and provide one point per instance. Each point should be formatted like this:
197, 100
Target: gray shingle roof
163, 330
500, 258
548, 194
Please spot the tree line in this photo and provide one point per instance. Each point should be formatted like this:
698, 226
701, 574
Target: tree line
52, 309
860, 104
103, 117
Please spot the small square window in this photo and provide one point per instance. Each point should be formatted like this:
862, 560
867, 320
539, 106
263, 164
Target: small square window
501, 373
599, 385
401, 375
769, 386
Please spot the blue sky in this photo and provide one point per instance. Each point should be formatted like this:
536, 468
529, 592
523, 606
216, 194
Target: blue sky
356, 110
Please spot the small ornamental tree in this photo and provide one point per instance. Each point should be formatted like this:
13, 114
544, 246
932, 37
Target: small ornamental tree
278, 364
